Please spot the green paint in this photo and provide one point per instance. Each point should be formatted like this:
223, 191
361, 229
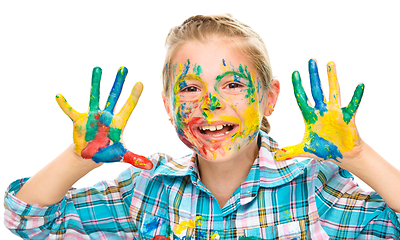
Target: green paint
242, 72
115, 134
91, 125
197, 69
239, 74
349, 111
213, 102
308, 112
95, 89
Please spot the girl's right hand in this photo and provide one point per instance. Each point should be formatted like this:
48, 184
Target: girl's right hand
97, 133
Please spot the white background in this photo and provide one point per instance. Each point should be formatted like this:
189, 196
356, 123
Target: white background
51, 47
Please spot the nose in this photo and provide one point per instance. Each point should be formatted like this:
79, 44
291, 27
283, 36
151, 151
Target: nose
211, 103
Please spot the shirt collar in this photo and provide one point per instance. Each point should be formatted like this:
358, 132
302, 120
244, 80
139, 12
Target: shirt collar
265, 170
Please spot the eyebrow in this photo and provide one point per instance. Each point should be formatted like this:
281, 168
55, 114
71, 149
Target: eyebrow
181, 78
190, 76
239, 74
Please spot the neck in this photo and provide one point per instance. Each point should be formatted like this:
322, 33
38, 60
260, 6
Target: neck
223, 178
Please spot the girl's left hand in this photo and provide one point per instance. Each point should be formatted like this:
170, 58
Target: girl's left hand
331, 131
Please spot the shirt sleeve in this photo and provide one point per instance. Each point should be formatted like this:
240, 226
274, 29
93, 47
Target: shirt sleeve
97, 212
348, 212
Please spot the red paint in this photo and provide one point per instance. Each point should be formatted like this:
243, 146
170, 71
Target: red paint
284, 150
99, 142
138, 161
159, 237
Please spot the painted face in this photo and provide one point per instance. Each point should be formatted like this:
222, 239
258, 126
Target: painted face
216, 99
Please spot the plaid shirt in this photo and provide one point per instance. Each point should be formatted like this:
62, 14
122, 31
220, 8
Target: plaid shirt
278, 200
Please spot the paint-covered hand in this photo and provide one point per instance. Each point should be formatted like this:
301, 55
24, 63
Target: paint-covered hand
97, 133
330, 131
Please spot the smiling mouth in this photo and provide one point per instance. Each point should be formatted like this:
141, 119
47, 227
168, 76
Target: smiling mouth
216, 131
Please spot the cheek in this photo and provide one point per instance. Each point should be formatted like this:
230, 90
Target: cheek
184, 111
248, 108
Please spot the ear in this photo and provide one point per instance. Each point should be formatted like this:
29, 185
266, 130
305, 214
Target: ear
272, 97
167, 106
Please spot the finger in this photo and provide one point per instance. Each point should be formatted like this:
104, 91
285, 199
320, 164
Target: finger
350, 110
289, 152
308, 112
334, 95
130, 104
116, 89
95, 89
316, 89
68, 110
138, 161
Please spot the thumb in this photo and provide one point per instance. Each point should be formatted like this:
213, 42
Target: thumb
287, 153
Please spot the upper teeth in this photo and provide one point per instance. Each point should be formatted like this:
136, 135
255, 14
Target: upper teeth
213, 128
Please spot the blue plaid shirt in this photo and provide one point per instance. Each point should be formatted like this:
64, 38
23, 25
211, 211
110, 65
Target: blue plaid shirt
278, 200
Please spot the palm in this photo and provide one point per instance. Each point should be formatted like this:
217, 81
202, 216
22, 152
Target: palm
330, 131
97, 133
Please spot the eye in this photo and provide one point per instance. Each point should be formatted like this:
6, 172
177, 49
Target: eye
190, 89
233, 85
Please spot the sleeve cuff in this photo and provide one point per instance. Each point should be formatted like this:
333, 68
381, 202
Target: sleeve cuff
21, 208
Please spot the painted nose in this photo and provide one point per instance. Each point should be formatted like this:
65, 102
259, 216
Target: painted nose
211, 103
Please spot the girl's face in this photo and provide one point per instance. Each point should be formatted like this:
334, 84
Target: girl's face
216, 99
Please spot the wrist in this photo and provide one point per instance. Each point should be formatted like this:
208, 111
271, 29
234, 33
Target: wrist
78, 162
358, 158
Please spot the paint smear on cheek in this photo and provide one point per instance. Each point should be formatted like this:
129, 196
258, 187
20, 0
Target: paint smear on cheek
183, 109
251, 115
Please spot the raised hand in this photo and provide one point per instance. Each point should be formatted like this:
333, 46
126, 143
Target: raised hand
97, 133
330, 131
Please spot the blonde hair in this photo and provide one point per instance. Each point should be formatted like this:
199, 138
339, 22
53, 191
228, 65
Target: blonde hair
202, 28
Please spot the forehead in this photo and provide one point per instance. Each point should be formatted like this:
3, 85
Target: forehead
211, 55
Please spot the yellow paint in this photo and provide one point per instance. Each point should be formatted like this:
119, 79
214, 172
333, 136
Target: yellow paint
79, 121
119, 121
333, 84
188, 224
215, 236
80, 132
330, 126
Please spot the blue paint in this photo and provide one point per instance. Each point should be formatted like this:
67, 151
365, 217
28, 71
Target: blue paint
322, 148
316, 88
236, 78
182, 84
116, 89
151, 225
113, 153
106, 118
223, 62
185, 70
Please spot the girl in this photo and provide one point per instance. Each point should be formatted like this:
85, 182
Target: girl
218, 90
